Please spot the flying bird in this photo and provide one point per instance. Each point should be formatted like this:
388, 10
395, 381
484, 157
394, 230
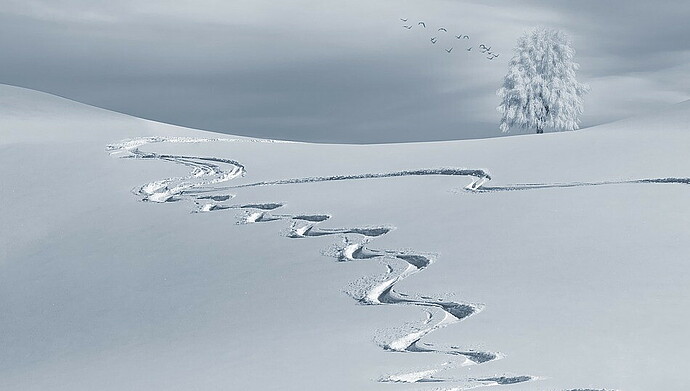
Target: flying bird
466, 36
422, 24
407, 27
443, 29
469, 49
449, 50
458, 36
433, 40
404, 20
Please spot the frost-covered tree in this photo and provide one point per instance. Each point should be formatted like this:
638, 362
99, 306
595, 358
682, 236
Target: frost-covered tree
540, 90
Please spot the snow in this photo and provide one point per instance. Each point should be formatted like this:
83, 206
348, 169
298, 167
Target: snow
580, 269
540, 89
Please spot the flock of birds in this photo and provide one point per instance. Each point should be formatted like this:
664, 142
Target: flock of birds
482, 48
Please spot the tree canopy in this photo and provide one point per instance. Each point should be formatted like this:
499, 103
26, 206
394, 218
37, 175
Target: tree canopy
541, 90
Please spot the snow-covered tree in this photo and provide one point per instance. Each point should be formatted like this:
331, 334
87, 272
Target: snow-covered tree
540, 90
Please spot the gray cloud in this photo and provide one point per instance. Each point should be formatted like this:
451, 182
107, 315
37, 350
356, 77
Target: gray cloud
327, 71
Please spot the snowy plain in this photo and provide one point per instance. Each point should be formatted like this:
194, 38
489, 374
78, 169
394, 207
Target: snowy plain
575, 251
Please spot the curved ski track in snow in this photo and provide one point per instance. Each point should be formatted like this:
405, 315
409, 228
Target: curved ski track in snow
480, 175
201, 188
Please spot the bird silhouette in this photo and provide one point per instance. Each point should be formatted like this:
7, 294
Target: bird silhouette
482, 47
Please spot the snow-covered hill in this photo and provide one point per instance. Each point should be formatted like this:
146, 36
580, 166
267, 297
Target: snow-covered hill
549, 262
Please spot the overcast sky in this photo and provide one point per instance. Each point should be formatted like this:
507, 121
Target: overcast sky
345, 71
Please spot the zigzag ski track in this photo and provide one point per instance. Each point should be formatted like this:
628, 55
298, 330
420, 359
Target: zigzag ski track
203, 188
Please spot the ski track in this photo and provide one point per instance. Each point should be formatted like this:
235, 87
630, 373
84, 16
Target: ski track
536, 186
481, 176
201, 187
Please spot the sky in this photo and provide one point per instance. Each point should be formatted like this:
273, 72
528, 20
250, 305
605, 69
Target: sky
327, 71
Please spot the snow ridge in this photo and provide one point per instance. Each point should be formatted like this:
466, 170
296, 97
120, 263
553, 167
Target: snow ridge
201, 188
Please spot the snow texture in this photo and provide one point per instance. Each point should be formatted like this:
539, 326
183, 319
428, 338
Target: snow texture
575, 269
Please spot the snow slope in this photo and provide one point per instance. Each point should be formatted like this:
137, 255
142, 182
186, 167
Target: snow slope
550, 262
